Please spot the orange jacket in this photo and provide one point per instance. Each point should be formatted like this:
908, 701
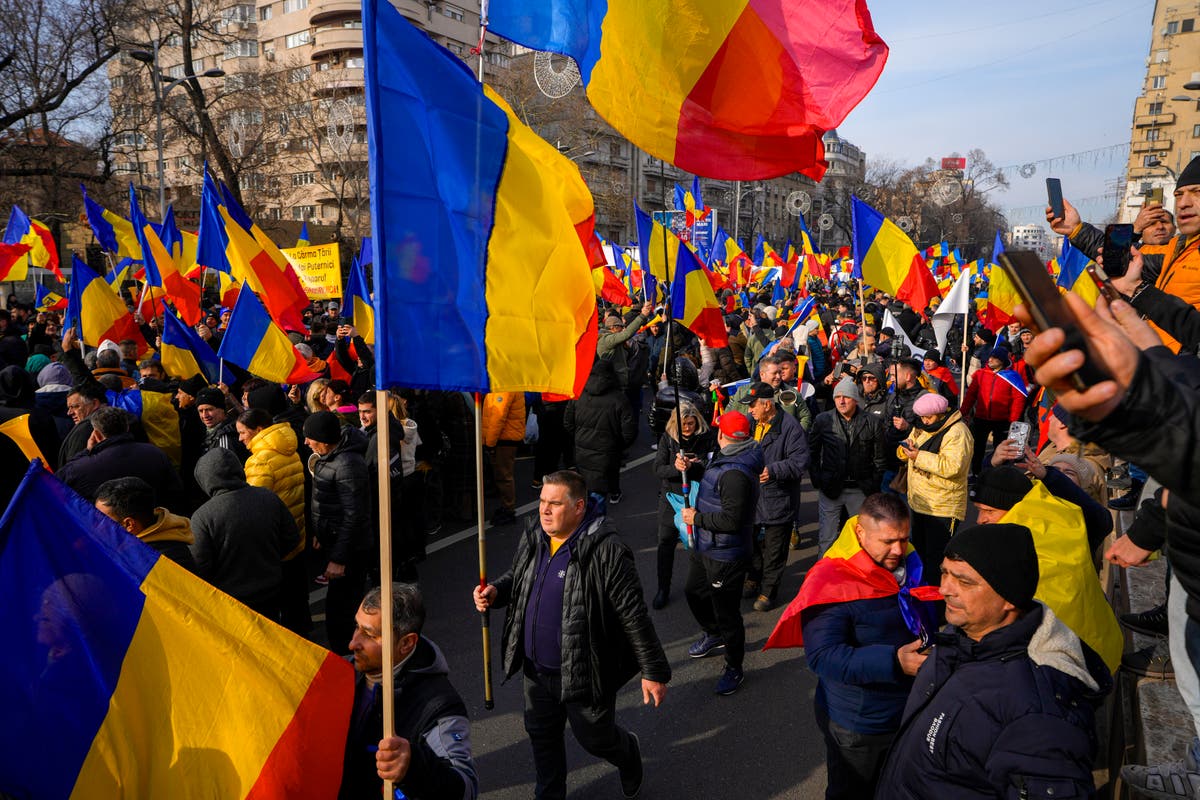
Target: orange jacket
503, 418
1180, 275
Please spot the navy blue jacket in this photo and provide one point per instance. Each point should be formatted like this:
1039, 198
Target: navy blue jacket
852, 648
725, 504
985, 721
785, 453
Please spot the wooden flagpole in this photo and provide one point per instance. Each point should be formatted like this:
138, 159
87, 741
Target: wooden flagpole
488, 701
383, 457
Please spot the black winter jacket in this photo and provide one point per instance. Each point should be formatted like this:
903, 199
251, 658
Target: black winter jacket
603, 424
430, 715
785, 452
241, 534
700, 445
847, 453
986, 720
341, 517
607, 635
121, 457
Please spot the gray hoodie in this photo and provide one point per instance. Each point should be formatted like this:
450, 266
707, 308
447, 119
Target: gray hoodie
241, 534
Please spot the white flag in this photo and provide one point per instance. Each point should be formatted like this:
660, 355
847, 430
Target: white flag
958, 301
889, 321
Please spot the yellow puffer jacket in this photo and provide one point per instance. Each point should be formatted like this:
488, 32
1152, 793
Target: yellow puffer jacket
503, 418
273, 464
937, 482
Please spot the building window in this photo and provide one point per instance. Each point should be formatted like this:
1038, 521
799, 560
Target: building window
243, 12
299, 74
303, 178
452, 12
1161, 56
1158, 82
298, 39
294, 5
264, 13
1196, 131
176, 71
173, 40
242, 48
1154, 108
1187, 26
353, 62
1149, 161
303, 212
1152, 134
1172, 28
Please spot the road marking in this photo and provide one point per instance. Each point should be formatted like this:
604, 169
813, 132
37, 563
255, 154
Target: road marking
468, 533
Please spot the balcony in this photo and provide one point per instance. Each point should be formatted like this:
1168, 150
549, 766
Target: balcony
1146, 120
337, 80
334, 40
1160, 146
326, 10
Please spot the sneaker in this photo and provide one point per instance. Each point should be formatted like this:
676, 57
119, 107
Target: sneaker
1147, 623
706, 645
1172, 781
614, 498
503, 516
535, 484
730, 681
1118, 477
749, 589
631, 780
1150, 662
661, 598
763, 603
654, 445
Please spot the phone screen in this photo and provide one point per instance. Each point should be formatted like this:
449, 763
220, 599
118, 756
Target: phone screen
1117, 241
1155, 195
1047, 308
1054, 197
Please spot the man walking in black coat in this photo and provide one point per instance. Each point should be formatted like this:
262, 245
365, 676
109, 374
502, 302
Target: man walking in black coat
577, 627
1004, 707
603, 425
241, 534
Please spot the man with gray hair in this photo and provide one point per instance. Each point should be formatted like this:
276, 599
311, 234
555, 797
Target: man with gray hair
847, 452
429, 756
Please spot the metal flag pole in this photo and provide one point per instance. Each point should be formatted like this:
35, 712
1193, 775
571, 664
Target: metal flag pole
488, 701
667, 307
962, 378
383, 458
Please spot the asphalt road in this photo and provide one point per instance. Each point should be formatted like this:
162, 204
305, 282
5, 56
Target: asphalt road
760, 743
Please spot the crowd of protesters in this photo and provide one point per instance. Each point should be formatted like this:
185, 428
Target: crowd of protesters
924, 460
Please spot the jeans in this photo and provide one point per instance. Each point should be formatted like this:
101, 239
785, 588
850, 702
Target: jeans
1184, 638
595, 728
829, 514
714, 594
853, 761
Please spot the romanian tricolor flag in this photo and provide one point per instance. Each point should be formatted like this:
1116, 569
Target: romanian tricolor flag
1073, 273
43, 252
229, 241
161, 268
114, 233
692, 300
94, 309
46, 300
256, 344
1001, 295
302, 240
180, 244
887, 259
228, 287
938, 250
847, 573
14, 265
658, 249
124, 675
690, 203
483, 233
151, 303
729, 89
184, 354
1067, 581
357, 303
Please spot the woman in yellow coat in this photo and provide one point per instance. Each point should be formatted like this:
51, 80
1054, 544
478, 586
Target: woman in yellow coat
939, 456
274, 464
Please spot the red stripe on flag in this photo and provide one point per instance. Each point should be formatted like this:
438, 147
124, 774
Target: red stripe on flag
306, 762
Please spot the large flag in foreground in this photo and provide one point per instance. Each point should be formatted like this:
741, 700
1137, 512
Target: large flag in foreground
730, 89
482, 281
124, 675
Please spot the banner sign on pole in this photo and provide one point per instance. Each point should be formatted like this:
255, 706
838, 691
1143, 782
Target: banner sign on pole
319, 269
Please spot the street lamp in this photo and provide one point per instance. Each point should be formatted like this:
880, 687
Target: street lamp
737, 206
150, 59
1154, 162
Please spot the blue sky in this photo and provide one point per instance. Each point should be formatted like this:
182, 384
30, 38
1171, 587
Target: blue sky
1020, 79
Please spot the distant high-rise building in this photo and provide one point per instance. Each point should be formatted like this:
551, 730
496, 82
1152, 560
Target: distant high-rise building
1031, 237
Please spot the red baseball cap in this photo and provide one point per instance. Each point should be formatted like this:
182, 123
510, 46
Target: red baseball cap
734, 425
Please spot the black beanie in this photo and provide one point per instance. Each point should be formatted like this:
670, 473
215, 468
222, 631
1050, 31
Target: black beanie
210, 397
1003, 554
985, 334
1002, 487
193, 385
323, 427
269, 398
934, 356
1190, 175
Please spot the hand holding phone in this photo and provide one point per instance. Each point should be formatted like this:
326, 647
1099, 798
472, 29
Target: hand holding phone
1054, 197
1115, 256
1018, 435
